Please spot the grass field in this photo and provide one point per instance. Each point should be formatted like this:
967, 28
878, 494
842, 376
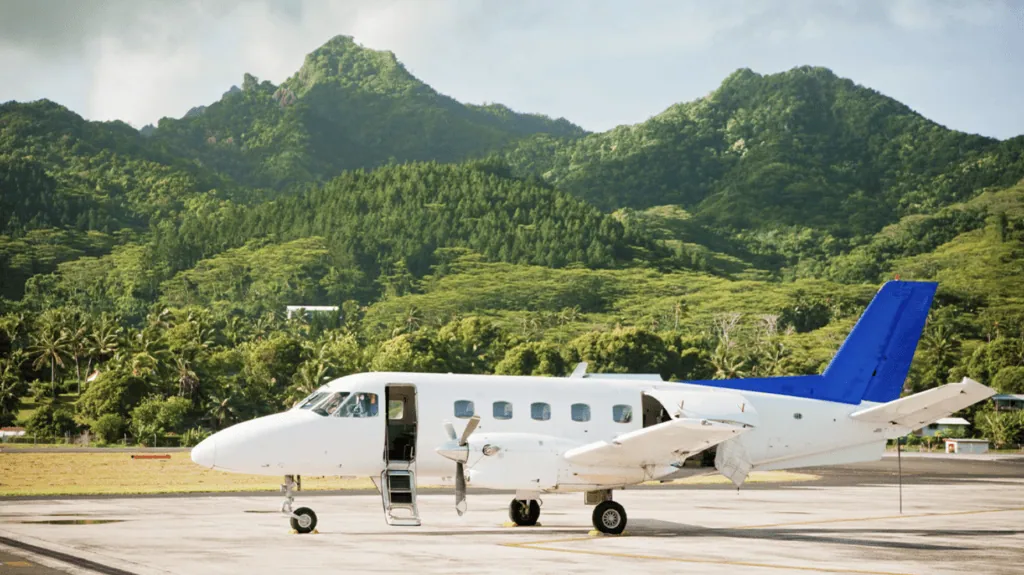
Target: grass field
118, 473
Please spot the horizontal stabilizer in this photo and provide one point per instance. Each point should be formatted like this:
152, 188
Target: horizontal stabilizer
916, 411
672, 440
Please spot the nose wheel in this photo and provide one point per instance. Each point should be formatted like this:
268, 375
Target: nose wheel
609, 518
524, 513
302, 520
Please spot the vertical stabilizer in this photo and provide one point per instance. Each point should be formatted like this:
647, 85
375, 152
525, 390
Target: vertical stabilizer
873, 362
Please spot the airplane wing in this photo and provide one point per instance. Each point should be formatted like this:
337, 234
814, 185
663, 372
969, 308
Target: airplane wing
660, 444
920, 409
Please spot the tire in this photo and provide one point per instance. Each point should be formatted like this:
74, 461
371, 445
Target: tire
524, 515
609, 518
306, 521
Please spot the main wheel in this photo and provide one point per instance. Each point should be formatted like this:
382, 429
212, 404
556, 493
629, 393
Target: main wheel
522, 513
304, 520
609, 517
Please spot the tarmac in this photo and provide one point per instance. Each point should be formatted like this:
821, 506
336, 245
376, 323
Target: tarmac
957, 516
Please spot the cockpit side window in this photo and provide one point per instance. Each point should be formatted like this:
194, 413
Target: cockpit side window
312, 399
331, 404
359, 404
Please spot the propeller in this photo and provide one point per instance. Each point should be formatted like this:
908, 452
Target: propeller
457, 449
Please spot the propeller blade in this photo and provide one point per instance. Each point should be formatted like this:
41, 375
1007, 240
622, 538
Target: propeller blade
460, 489
470, 428
451, 430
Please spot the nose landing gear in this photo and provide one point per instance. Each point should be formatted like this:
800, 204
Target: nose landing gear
302, 520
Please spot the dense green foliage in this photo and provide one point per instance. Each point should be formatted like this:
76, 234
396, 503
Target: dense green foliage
347, 107
144, 275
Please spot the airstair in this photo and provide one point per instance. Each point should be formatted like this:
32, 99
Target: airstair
397, 488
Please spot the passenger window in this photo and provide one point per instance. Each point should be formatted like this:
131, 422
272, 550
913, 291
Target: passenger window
464, 409
328, 407
622, 413
359, 404
540, 411
396, 409
502, 410
580, 412
313, 399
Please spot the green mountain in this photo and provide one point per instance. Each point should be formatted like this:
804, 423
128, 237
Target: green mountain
737, 235
787, 152
347, 107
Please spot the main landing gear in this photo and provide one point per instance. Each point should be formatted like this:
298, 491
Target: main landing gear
303, 520
524, 513
609, 517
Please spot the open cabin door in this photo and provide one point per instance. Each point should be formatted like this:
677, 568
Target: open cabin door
398, 481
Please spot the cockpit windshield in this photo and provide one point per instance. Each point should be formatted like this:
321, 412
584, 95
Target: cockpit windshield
332, 403
312, 400
343, 404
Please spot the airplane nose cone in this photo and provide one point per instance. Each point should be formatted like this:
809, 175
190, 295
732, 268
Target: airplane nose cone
205, 453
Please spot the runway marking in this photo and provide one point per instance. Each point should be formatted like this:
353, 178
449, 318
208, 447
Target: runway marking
546, 545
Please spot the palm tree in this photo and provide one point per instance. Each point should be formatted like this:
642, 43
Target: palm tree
188, 381
50, 346
726, 361
103, 342
75, 333
222, 410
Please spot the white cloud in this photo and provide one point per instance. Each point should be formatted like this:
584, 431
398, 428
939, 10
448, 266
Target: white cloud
597, 62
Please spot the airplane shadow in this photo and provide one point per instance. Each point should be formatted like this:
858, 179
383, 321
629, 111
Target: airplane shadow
660, 528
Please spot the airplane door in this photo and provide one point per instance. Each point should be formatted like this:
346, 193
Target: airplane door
402, 422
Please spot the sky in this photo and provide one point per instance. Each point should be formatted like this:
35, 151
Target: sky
597, 63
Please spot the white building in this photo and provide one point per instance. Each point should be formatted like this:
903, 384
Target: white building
966, 446
8, 432
946, 426
295, 308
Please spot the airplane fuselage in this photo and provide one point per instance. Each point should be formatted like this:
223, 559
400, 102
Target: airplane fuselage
542, 418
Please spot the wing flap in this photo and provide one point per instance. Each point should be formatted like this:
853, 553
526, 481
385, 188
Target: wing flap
659, 444
916, 411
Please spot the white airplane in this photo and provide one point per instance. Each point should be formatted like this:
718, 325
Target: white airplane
594, 433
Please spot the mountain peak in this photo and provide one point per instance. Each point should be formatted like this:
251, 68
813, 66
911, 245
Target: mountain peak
343, 61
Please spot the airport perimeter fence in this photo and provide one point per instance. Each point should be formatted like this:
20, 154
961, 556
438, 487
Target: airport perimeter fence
86, 439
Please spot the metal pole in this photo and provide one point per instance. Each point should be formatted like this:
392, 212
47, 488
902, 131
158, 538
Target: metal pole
899, 463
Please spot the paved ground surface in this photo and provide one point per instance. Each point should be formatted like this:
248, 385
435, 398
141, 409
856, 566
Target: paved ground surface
958, 517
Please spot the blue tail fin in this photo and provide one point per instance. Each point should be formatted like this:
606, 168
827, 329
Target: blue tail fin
872, 363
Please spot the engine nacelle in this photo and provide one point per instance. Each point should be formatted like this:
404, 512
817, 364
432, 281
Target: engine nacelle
520, 461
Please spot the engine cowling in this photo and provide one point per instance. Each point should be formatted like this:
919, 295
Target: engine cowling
520, 461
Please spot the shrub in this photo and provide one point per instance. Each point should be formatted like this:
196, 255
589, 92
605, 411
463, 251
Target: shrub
108, 427
192, 437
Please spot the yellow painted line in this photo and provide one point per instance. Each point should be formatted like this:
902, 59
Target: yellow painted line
539, 546
877, 518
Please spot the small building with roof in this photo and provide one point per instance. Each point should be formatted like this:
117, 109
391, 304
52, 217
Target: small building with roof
1008, 401
945, 426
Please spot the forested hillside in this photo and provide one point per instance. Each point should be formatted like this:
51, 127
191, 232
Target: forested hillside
144, 275
347, 107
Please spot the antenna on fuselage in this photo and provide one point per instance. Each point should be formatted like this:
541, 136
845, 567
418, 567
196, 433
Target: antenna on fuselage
580, 371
